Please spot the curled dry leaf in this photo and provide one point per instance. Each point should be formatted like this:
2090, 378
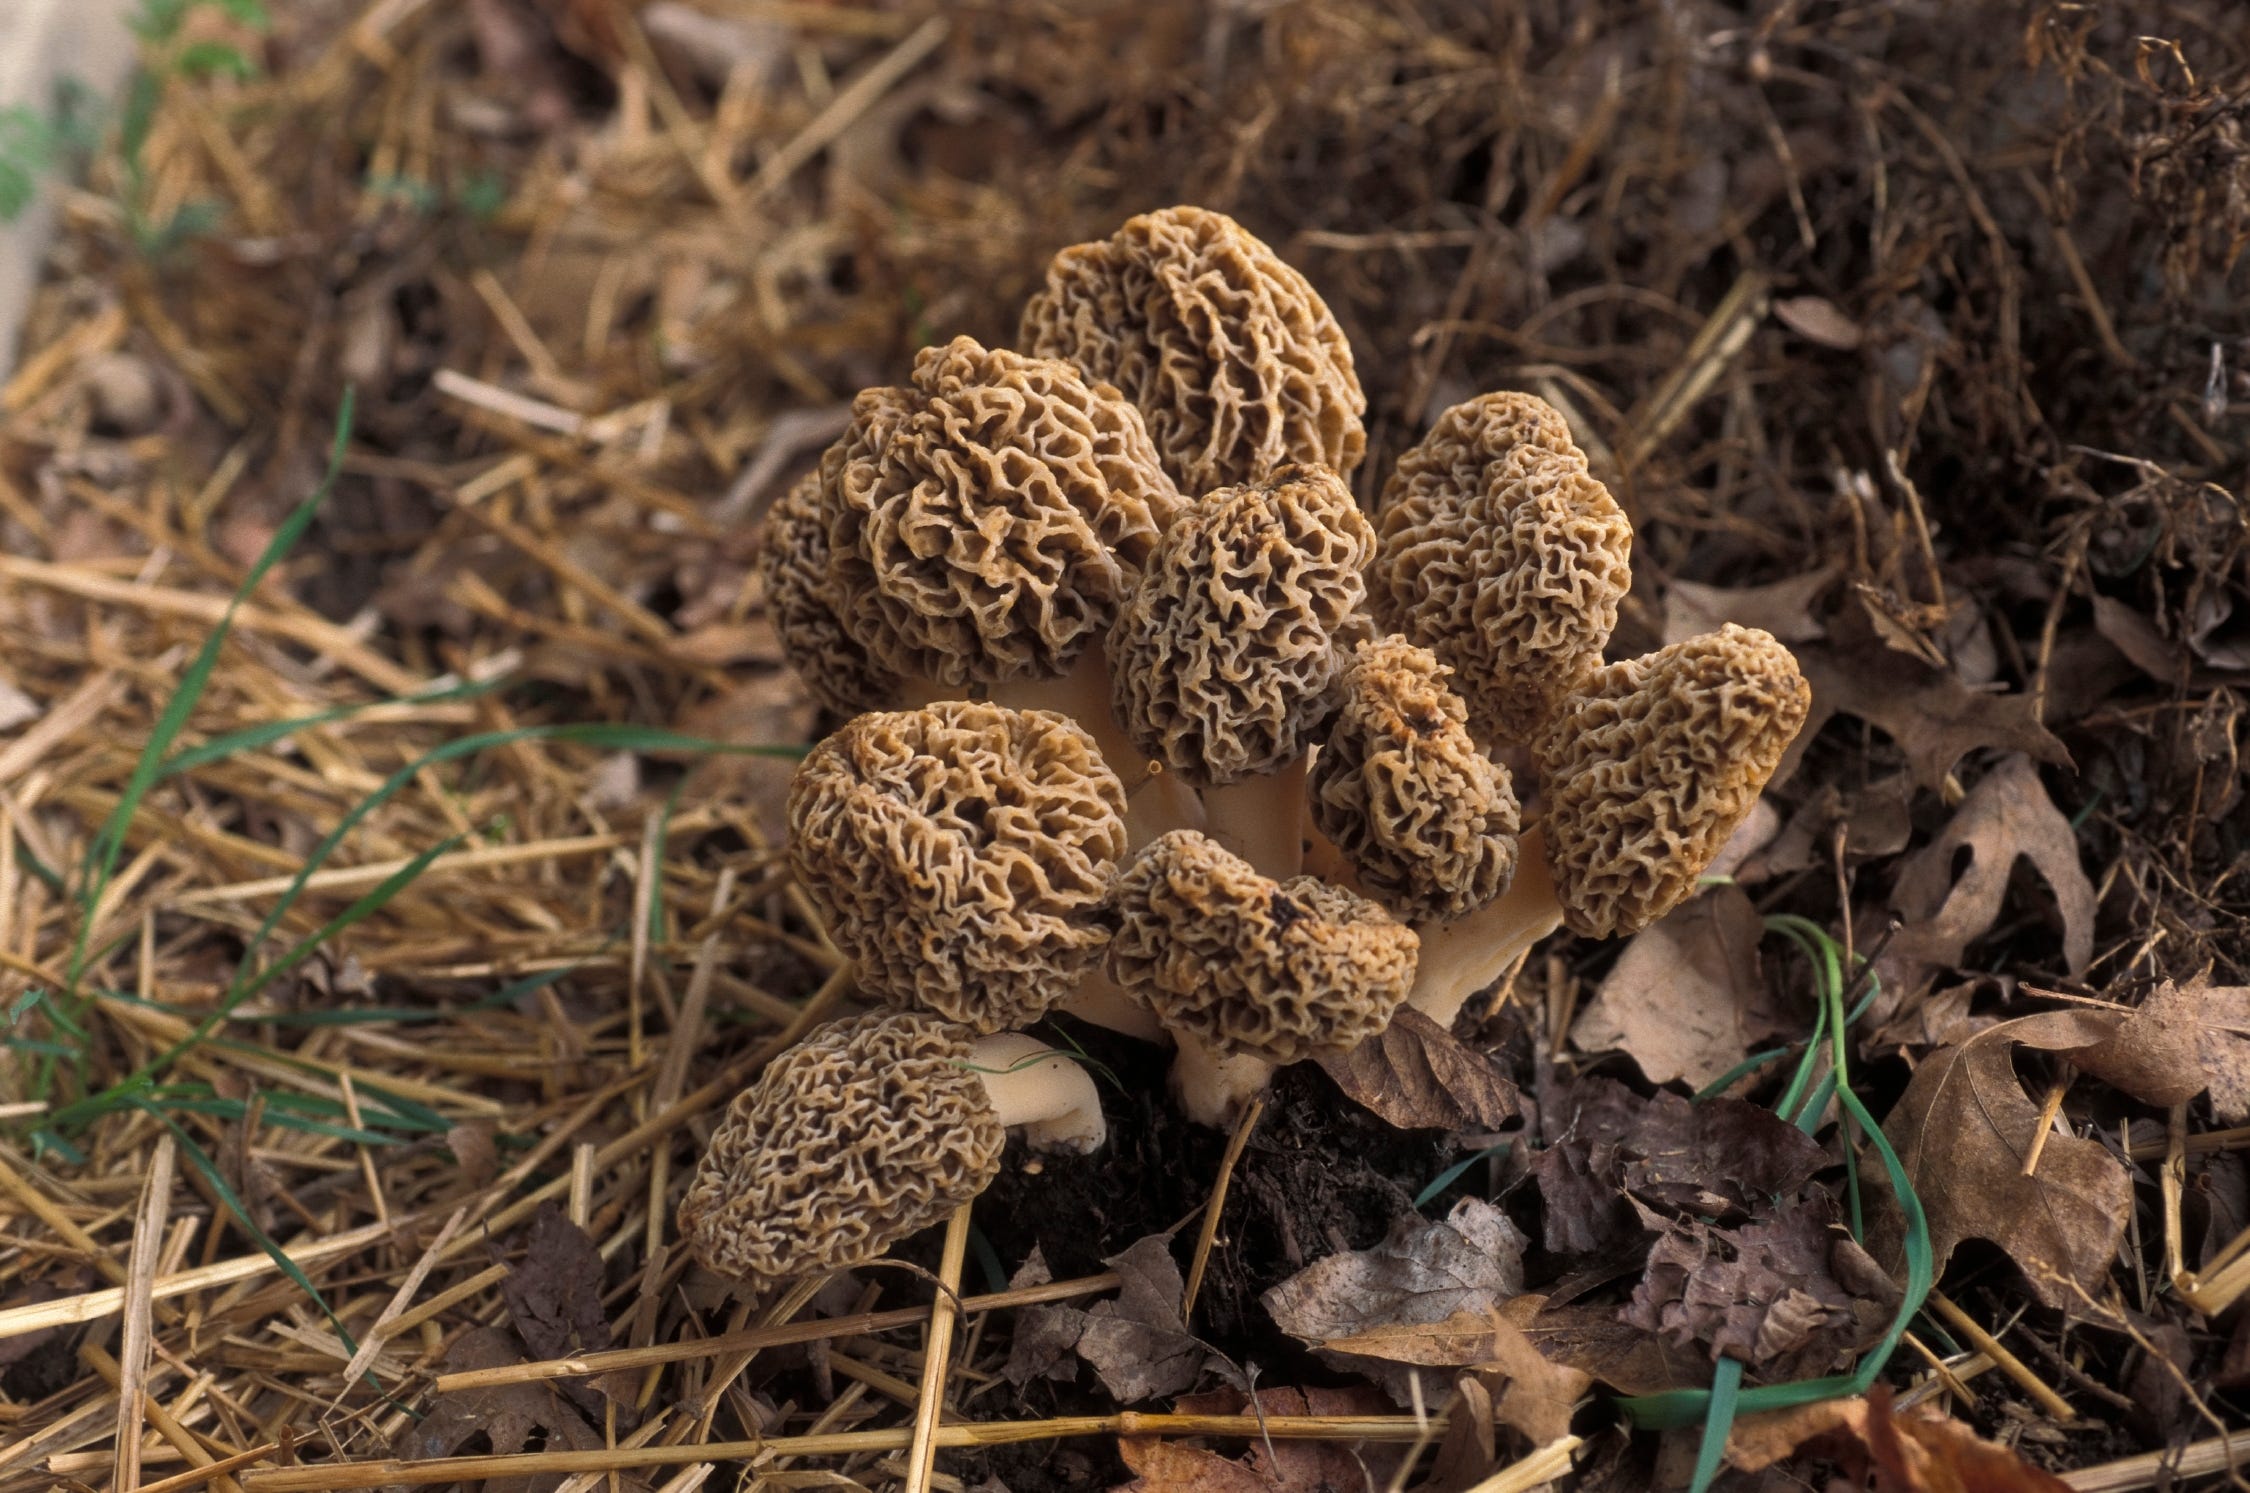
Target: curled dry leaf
1783, 608
1685, 1000
1138, 1344
1424, 1272
2006, 817
510, 1417
1934, 717
2223, 1047
1415, 1075
1269, 1466
1901, 1453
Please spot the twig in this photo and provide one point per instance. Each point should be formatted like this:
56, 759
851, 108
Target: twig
1208, 1233
2014, 1367
1542, 1466
133, 1346
937, 1353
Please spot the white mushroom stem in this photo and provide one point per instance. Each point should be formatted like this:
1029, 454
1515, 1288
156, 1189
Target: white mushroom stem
1461, 957
1262, 819
1101, 1001
1155, 801
1033, 1086
1213, 1089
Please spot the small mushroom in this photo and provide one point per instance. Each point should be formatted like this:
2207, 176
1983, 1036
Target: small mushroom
1425, 819
1231, 355
1646, 772
1248, 972
868, 1130
1224, 661
1499, 552
961, 855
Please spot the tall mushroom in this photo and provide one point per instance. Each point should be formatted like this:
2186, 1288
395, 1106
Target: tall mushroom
961, 855
1247, 972
1233, 358
1499, 552
1646, 771
1225, 658
870, 1129
793, 563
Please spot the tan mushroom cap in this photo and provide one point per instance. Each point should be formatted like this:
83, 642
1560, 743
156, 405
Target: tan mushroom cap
961, 853
868, 1130
1498, 551
793, 563
1648, 770
1223, 664
1403, 790
1250, 966
1232, 356
986, 520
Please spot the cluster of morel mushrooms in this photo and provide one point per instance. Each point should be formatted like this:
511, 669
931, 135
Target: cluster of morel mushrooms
1149, 723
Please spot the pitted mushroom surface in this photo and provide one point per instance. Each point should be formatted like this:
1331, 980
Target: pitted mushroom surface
1499, 552
987, 519
1425, 818
793, 563
961, 853
1230, 354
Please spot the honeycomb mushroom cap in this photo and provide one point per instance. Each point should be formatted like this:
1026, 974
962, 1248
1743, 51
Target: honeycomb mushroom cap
1230, 354
1648, 770
1402, 789
793, 563
1251, 966
1223, 664
868, 1130
961, 854
1499, 552
986, 520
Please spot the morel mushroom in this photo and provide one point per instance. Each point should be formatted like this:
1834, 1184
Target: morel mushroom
870, 1129
1225, 658
1646, 772
1231, 355
1248, 972
1499, 552
1424, 818
961, 855
793, 562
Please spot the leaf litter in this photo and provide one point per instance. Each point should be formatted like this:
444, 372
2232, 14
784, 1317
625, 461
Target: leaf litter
1978, 459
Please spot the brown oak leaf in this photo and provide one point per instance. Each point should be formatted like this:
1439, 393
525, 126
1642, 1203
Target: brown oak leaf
1685, 999
1915, 1452
1138, 1344
1415, 1075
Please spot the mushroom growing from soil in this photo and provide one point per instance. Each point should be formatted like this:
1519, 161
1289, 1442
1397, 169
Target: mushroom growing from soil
793, 564
1225, 659
1247, 972
1401, 789
870, 1129
1230, 354
1645, 773
1499, 552
961, 855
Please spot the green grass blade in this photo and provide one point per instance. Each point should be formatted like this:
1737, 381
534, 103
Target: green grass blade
266, 733
1718, 1420
1452, 1174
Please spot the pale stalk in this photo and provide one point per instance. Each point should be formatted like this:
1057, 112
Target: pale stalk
1211, 1089
1155, 801
1262, 819
1461, 957
1033, 1086
1101, 1001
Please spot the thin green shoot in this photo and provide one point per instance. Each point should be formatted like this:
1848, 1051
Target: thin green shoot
1453, 1173
265, 733
1718, 1421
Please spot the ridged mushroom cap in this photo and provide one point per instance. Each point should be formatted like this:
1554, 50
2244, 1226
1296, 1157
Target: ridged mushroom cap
793, 562
1254, 967
960, 853
1651, 766
1499, 552
1230, 354
868, 1130
986, 519
1223, 664
1403, 790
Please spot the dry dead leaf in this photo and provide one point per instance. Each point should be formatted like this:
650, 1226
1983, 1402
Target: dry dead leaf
1415, 1076
1783, 608
1934, 717
1962, 1130
554, 1297
1631, 1360
1685, 999
510, 1417
1138, 1344
1915, 1452
2223, 1048
2006, 817
1163, 1466
1277, 1466
1424, 1272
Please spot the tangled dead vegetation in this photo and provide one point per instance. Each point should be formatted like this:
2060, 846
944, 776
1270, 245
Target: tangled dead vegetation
1909, 334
